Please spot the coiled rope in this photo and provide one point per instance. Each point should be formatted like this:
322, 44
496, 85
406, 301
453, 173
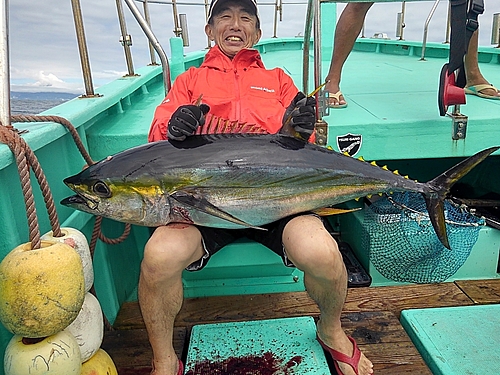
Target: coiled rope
18, 147
25, 158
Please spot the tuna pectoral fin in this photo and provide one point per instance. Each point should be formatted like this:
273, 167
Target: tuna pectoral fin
441, 186
328, 211
201, 204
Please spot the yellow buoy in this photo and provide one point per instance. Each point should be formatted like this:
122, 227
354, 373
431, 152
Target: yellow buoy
77, 241
41, 290
55, 355
100, 364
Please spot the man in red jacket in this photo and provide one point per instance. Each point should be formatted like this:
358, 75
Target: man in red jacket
234, 86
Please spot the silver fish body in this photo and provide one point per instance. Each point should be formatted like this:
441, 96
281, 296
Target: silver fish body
237, 181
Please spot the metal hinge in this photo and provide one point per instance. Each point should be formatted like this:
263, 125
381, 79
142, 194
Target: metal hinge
459, 124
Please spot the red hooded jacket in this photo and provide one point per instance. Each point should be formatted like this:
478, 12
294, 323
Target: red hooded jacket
241, 90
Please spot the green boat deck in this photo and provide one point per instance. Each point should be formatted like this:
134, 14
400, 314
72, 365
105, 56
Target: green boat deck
392, 98
371, 316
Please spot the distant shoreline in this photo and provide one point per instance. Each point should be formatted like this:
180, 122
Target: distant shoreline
42, 95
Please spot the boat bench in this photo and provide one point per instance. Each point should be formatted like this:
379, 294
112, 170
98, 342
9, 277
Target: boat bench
242, 267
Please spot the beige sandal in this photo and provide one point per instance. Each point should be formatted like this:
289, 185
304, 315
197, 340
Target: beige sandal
476, 90
336, 96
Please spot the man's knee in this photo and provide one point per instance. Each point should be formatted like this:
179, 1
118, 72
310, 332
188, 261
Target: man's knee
306, 239
172, 247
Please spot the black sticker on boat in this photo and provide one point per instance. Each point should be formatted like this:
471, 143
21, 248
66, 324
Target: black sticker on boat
349, 143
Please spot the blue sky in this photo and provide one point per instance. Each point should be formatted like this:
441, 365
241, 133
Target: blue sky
44, 53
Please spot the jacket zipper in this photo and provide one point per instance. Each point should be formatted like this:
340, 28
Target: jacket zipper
237, 107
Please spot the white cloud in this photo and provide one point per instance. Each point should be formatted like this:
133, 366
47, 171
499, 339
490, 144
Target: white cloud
48, 80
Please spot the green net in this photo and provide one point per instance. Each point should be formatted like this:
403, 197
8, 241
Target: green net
404, 246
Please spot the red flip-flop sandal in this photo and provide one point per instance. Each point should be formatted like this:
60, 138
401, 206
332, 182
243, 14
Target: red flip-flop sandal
179, 372
341, 357
181, 368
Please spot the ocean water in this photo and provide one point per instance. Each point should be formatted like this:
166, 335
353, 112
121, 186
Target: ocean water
32, 106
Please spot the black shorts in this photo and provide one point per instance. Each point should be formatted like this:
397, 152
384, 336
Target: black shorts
215, 239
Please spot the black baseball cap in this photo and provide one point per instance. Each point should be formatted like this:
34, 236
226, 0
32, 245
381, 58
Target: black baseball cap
251, 5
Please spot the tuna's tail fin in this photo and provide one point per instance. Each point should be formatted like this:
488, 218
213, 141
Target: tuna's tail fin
441, 186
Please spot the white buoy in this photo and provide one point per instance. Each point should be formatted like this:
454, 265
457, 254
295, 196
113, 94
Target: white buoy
77, 241
55, 355
88, 327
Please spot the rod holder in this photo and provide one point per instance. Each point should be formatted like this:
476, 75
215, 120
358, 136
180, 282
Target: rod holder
495, 30
400, 26
184, 29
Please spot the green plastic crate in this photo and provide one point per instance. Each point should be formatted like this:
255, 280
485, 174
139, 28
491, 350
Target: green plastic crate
456, 340
281, 346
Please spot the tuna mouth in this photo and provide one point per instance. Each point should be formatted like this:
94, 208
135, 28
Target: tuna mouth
79, 200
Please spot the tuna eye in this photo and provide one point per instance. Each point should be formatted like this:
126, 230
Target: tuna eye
101, 189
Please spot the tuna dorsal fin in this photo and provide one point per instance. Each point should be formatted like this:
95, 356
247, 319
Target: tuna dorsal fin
201, 204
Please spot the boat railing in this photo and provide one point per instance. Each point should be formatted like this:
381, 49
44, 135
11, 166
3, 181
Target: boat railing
4, 65
426, 26
181, 30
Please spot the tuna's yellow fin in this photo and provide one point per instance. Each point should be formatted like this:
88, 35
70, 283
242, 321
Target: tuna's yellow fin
328, 211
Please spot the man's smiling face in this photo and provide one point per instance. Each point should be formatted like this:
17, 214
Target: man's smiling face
233, 28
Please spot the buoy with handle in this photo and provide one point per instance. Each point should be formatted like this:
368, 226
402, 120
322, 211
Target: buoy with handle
55, 355
77, 240
41, 290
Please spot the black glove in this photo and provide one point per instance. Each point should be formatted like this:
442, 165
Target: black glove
185, 120
301, 115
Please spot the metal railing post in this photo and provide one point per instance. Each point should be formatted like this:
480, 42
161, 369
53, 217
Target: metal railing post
278, 9
4, 64
82, 47
148, 21
177, 29
207, 5
125, 39
317, 42
426, 27
307, 46
154, 41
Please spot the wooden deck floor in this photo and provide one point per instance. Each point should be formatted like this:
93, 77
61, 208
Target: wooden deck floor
371, 316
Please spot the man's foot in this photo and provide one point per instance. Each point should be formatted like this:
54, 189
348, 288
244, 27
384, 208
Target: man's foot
180, 369
349, 360
335, 97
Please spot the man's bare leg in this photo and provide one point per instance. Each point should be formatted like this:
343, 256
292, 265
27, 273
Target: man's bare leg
311, 248
472, 71
169, 250
348, 28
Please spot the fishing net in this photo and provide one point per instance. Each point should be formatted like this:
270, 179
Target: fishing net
404, 246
